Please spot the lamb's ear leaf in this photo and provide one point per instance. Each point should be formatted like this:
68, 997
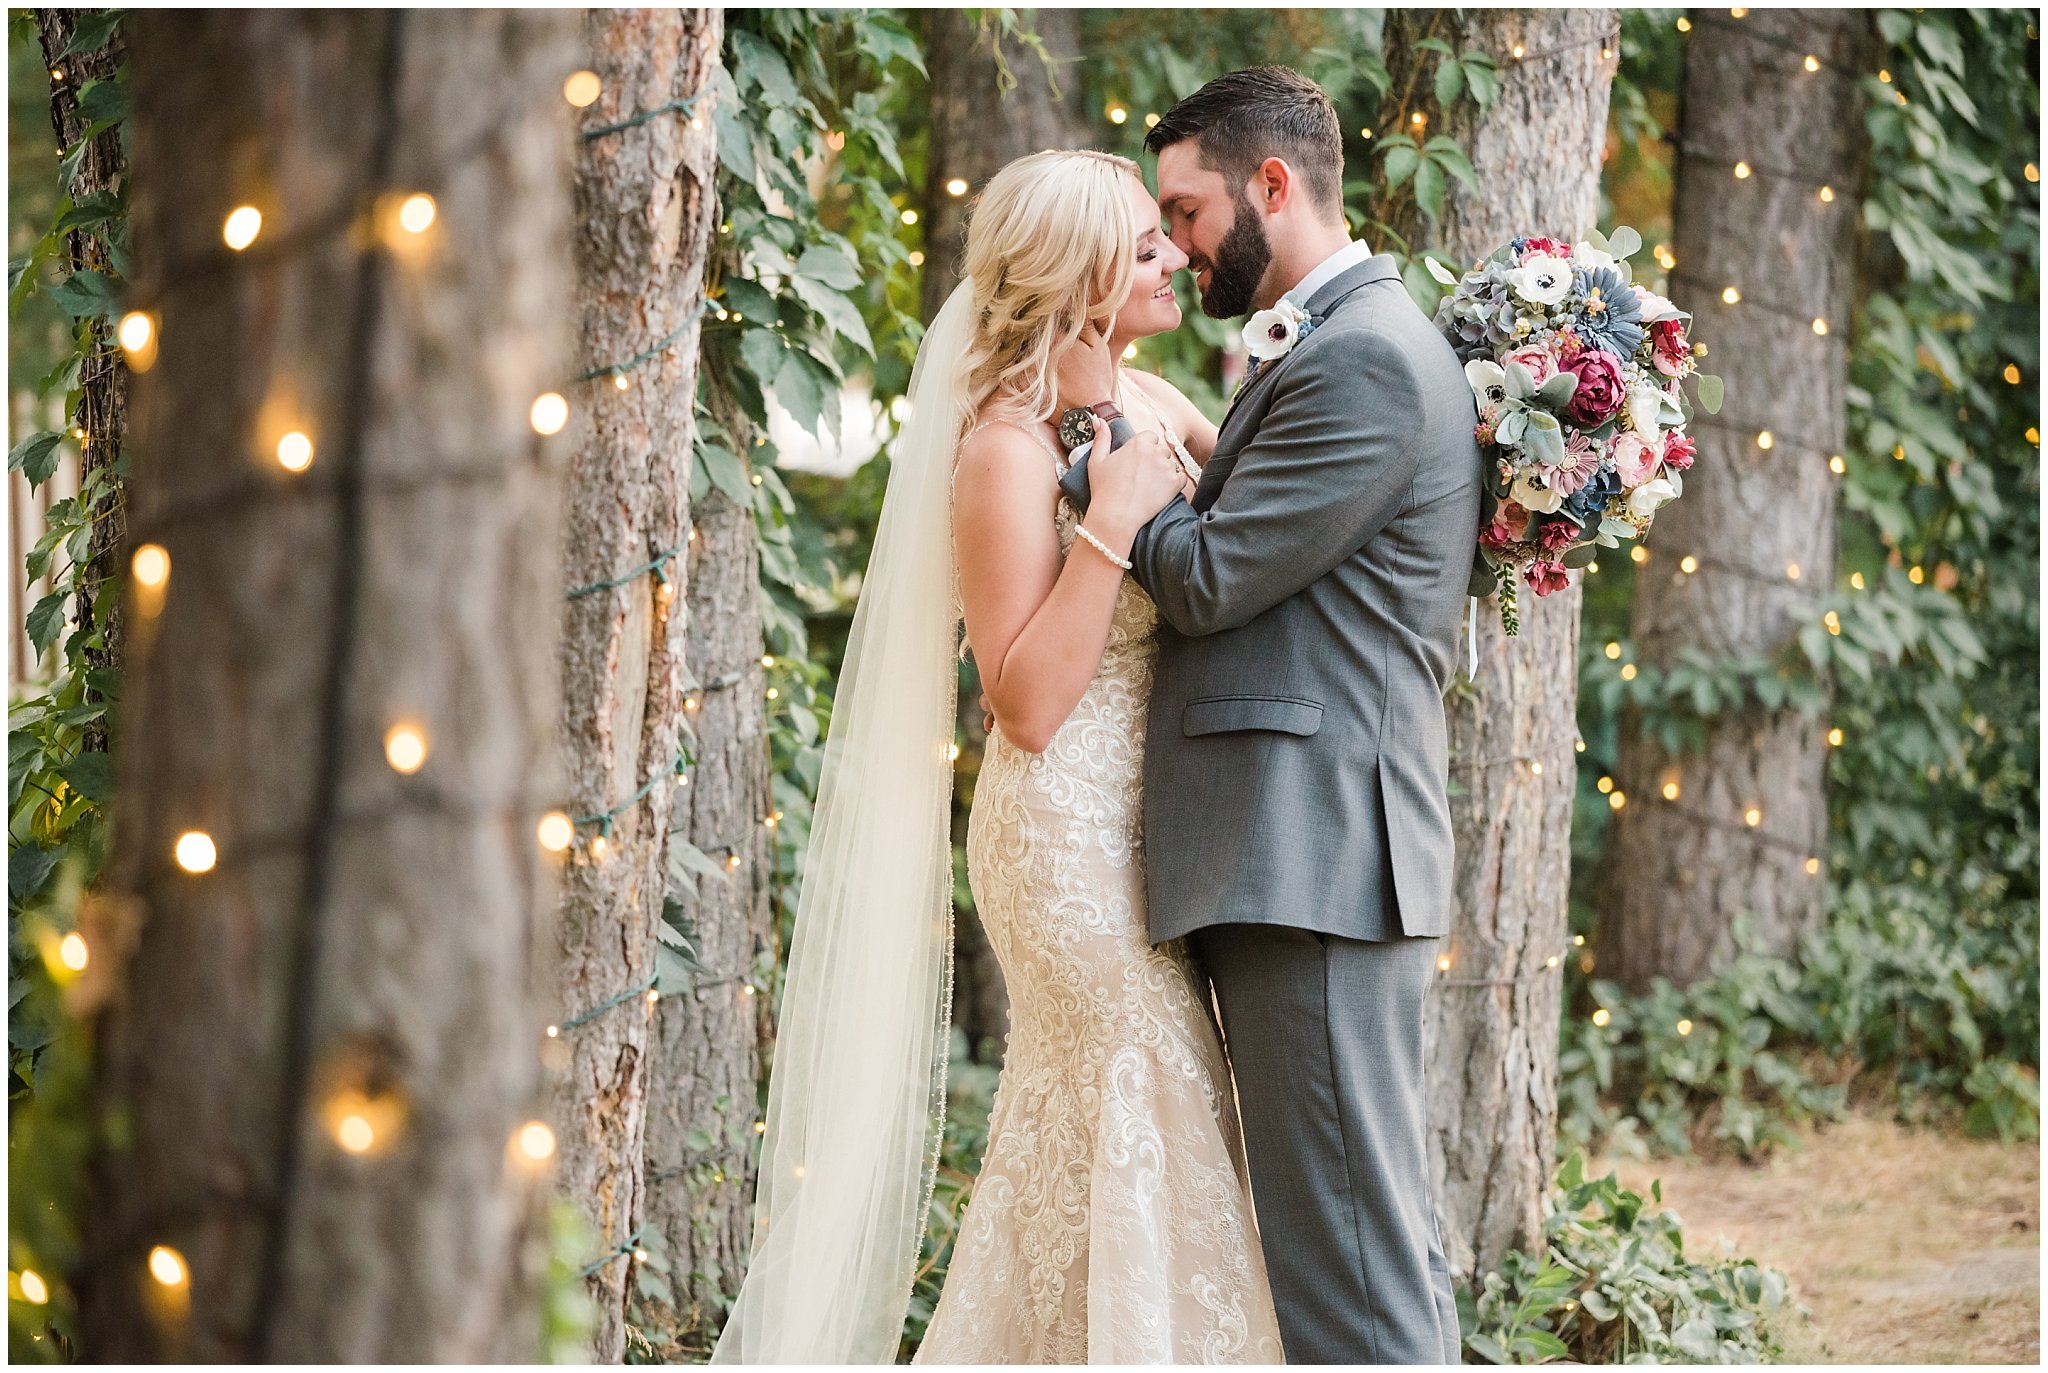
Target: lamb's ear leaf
1521, 383
1559, 390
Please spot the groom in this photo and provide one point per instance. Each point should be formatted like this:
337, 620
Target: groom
1295, 818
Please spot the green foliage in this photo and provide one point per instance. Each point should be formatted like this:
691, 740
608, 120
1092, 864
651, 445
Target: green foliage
1928, 967
1614, 1285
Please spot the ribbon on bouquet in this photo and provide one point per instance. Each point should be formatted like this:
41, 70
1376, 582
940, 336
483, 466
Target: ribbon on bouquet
1472, 639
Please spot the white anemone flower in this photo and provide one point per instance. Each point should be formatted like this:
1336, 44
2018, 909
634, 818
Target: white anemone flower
1541, 279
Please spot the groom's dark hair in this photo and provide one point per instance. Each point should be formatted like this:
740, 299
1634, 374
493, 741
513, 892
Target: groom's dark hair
1242, 118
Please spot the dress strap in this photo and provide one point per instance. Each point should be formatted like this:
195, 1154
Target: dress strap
1034, 435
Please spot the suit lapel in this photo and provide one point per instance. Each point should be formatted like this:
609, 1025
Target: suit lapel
1378, 267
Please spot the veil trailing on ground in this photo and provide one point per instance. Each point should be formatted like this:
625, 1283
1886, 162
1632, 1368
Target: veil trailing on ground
856, 1099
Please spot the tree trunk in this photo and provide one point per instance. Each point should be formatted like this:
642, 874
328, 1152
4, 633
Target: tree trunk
103, 380
1745, 832
1492, 1024
644, 212
711, 1040
316, 1059
970, 142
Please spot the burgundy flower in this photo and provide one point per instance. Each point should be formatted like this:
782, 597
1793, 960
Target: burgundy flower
1669, 350
1557, 536
1547, 246
1601, 391
1547, 577
1678, 451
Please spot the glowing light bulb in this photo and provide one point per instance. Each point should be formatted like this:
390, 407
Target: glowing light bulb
1688, 564
555, 831
72, 953
1118, 114
416, 214
1792, 571
1536, 768
549, 413
1812, 63
136, 331
622, 381
1820, 326
582, 89
599, 847
1731, 295
1671, 791
1443, 963
1765, 441
1639, 554
1836, 465
294, 452
1827, 195
1550, 962
405, 748
1520, 52
1601, 1016
1628, 672
2012, 374
909, 216
244, 222
151, 565
1753, 817
34, 1290
1578, 746
1835, 737
1856, 580
1616, 799
1915, 575
167, 1266
1742, 171
1684, 26
1813, 866
1604, 785
536, 1141
956, 186
195, 852
1685, 1027
916, 259
732, 860
354, 1134
1152, 122
1613, 649
2033, 173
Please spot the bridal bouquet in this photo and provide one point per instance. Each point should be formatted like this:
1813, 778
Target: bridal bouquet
1579, 377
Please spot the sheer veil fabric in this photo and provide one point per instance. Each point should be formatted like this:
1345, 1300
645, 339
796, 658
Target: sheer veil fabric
856, 1096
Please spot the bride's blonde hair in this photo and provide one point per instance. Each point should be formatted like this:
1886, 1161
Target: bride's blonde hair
1049, 252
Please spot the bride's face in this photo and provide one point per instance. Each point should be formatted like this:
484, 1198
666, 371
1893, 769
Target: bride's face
1150, 308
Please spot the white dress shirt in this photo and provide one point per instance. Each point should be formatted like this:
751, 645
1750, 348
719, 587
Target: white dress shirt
1331, 267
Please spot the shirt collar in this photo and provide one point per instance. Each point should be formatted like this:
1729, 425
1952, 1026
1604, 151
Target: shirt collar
1331, 267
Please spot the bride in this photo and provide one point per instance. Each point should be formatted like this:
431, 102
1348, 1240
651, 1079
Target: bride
1111, 1221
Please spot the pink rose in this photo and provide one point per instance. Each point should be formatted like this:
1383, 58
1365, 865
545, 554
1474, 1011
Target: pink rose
1601, 390
1668, 348
1634, 460
1547, 577
1510, 522
1541, 364
1678, 451
1549, 247
1557, 536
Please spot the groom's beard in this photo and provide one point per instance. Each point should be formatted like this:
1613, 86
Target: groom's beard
1238, 267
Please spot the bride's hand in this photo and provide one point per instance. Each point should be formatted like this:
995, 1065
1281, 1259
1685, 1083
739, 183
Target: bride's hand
1086, 372
1130, 482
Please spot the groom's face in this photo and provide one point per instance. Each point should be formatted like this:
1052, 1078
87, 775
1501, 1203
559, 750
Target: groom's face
1217, 226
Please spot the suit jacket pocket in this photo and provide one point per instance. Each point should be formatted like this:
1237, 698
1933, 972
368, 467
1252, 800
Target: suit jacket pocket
1223, 714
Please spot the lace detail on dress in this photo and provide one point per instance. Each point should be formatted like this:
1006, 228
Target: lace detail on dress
1112, 1219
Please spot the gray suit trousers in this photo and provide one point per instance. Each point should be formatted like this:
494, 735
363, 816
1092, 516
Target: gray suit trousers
1325, 1041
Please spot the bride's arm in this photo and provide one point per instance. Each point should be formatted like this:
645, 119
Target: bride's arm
1037, 626
1183, 414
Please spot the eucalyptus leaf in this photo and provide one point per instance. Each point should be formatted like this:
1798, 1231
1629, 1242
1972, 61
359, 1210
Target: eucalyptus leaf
1710, 393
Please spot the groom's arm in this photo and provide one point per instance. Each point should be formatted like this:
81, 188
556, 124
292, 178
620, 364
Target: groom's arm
1332, 462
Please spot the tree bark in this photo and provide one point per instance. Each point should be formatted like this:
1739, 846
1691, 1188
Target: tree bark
1760, 522
1491, 1025
369, 951
103, 381
645, 206
970, 142
711, 1041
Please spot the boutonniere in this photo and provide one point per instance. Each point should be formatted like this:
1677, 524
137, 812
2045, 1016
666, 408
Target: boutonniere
1270, 335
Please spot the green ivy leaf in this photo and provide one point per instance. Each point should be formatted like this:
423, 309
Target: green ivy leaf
44, 620
86, 294
92, 774
1429, 189
91, 31
1450, 81
1398, 161
35, 457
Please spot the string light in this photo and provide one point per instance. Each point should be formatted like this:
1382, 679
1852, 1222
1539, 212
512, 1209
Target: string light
1152, 122
549, 413
1731, 295
1792, 572
1613, 650
1812, 63
1118, 114
1639, 554
555, 832
34, 1290
1604, 785
1813, 867
1688, 564
195, 851
1827, 195
405, 748
835, 140
1684, 1027
535, 1141
1836, 465
1628, 672
1684, 24
244, 222
1835, 737
137, 330
2032, 172
1742, 171
2012, 374
917, 259
909, 216
416, 214
1671, 791
1820, 326
1915, 575
1753, 817
72, 952
167, 1266
956, 187
1856, 580
1601, 1016
295, 452
1520, 52
582, 89
151, 565
1617, 799
1833, 622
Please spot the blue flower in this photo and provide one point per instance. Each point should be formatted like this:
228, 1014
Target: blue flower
1607, 314
1586, 504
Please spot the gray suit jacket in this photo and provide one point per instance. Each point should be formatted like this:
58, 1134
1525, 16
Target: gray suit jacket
1296, 755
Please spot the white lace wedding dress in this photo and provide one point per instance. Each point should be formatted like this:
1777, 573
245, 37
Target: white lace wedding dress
1111, 1221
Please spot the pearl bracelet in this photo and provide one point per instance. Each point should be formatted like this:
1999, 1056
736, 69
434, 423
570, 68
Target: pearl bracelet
1101, 547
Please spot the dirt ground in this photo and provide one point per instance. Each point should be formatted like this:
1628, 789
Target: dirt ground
1907, 1246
